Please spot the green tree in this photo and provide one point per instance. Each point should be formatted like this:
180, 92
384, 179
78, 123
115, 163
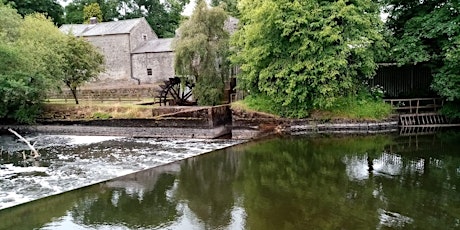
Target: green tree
10, 21
201, 52
20, 91
74, 11
163, 16
83, 62
230, 6
92, 10
50, 8
28, 60
44, 53
35, 57
305, 54
428, 31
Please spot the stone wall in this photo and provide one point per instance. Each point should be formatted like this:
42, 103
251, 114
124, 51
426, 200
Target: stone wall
162, 65
188, 122
109, 94
142, 29
214, 115
253, 125
117, 55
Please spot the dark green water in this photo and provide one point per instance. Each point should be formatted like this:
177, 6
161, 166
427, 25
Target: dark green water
373, 182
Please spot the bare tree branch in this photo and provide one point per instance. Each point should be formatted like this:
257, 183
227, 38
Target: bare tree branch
36, 154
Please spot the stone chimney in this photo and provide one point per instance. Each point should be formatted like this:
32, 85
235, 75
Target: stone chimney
93, 20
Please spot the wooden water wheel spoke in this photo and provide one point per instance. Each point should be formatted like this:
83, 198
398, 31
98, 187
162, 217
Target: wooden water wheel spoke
174, 90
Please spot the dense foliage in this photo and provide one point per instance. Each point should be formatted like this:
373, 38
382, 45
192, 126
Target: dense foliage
29, 62
90, 11
163, 16
50, 8
306, 54
428, 31
74, 11
201, 52
34, 55
230, 6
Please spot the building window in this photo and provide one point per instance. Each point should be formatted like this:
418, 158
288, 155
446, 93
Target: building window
149, 72
144, 37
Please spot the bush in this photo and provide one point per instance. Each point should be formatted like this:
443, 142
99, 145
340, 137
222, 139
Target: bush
451, 110
361, 108
265, 104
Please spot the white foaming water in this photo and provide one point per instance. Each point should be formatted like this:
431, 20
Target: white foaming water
81, 161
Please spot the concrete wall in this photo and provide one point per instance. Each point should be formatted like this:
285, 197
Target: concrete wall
136, 37
162, 65
117, 55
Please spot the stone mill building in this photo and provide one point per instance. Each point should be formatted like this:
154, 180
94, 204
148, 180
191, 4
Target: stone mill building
134, 54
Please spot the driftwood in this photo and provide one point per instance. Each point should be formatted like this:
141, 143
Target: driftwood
32, 148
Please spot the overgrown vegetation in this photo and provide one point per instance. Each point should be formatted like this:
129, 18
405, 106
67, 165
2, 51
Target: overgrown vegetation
35, 57
451, 110
361, 107
428, 32
91, 110
163, 16
303, 55
358, 109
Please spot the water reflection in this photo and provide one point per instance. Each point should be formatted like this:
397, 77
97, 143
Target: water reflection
377, 182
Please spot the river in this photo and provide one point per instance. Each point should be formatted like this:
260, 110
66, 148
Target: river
285, 182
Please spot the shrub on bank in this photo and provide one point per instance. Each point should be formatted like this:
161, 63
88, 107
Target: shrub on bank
361, 107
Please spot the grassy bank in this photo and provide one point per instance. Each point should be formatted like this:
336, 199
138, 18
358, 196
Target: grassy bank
345, 108
95, 110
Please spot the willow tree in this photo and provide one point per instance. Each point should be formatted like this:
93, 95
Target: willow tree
304, 54
201, 51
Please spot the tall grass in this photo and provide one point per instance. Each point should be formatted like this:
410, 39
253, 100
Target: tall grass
355, 108
102, 110
360, 109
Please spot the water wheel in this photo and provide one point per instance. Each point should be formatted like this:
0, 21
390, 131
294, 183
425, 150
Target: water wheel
176, 93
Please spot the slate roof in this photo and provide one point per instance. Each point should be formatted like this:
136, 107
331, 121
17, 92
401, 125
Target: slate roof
155, 46
102, 28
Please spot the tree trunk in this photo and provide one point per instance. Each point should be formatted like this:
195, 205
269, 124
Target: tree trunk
74, 93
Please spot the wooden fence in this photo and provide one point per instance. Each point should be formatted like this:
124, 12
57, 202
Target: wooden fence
416, 105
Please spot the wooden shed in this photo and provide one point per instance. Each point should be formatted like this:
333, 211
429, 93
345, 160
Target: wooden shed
407, 81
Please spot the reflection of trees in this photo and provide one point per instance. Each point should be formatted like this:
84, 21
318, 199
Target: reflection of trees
206, 183
426, 187
139, 208
38, 213
301, 183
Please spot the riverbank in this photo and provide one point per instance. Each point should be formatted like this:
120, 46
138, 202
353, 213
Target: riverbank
191, 122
